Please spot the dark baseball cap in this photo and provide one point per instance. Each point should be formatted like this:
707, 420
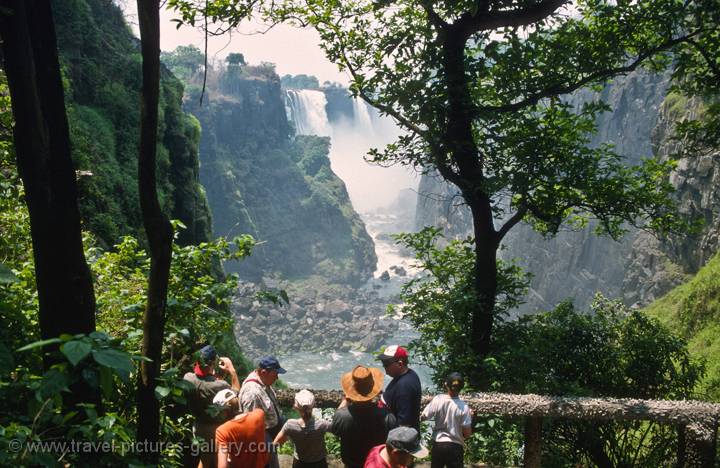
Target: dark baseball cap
207, 354
407, 439
455, 381
271, 362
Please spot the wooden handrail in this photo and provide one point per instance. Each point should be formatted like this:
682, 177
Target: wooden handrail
697, 420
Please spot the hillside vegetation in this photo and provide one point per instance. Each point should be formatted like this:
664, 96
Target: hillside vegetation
692, 310
101, 63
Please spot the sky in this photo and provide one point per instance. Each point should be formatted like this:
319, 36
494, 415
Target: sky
293, 50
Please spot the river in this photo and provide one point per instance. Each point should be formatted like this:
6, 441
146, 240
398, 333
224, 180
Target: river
322, 370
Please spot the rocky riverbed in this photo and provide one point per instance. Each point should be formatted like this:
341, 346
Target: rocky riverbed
318, 318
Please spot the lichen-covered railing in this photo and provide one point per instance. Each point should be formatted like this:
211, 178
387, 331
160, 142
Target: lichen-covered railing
696, 420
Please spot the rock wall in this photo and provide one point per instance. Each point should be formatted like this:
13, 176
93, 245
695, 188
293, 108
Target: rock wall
572, 264
262, 181
101, 64
657, 265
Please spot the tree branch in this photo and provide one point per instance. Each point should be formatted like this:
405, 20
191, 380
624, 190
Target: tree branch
366, 97
470, 24
709, 59
559, 89
433, 16
514, 219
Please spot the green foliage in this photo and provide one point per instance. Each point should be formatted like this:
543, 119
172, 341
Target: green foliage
198, 300
35, 419
440, 302
235, 59
101, 65
197, 313
696, 73
17, 289
39, 429
610, 351
301, 81
184, 61
692, 310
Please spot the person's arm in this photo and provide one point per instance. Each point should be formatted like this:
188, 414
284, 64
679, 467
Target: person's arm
222, 453
222, 458
281, 438
227, 366
429, 411
467, 423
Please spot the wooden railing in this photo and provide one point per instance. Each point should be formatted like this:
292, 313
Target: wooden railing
696, 421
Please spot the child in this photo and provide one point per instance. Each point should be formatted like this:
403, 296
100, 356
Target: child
307, 433
453, 424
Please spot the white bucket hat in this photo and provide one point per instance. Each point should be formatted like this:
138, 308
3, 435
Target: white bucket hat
304, 399
224, 396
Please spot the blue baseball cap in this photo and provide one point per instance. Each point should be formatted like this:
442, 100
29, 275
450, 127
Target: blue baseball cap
207, 354
271, 362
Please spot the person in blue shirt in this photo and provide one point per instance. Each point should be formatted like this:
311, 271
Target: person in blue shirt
402, 396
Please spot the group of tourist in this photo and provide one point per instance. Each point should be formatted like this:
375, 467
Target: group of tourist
242, 424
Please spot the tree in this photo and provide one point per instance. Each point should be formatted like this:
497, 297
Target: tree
236, 59
608, 351
42, 147
478, 86
696, 74
157, 227
184, 60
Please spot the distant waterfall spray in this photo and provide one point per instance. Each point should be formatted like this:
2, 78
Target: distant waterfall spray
361, 115
307, 111
370, 186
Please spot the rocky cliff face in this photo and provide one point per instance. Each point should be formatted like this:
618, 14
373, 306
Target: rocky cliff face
262, 181
572, 264
657, 265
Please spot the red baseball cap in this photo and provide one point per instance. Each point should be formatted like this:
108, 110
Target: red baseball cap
393, 352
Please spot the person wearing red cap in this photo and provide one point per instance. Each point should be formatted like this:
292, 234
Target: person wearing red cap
402, 396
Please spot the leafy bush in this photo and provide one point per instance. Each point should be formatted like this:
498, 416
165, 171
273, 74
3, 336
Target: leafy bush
609, 351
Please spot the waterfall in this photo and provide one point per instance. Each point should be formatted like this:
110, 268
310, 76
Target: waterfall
361, 116
307, 111
369, 186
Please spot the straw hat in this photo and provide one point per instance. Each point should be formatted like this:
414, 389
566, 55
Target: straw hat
363, 383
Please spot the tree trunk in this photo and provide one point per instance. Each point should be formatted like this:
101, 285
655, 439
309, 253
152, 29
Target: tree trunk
469, 178
42, 147
157, 228
485, 275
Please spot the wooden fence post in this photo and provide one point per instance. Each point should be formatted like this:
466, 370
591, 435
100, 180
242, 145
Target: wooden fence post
700, 446
533, 442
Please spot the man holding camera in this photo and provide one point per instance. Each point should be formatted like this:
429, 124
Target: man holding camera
206, 385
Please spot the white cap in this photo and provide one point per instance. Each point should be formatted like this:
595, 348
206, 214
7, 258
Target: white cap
304, 398
223, 396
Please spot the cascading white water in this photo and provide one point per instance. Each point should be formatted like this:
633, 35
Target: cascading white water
361, 116
307, 111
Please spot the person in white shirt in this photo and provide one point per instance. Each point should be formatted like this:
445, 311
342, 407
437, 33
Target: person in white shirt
453, 424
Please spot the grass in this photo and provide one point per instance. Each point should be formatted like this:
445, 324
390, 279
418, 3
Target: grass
692, 311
